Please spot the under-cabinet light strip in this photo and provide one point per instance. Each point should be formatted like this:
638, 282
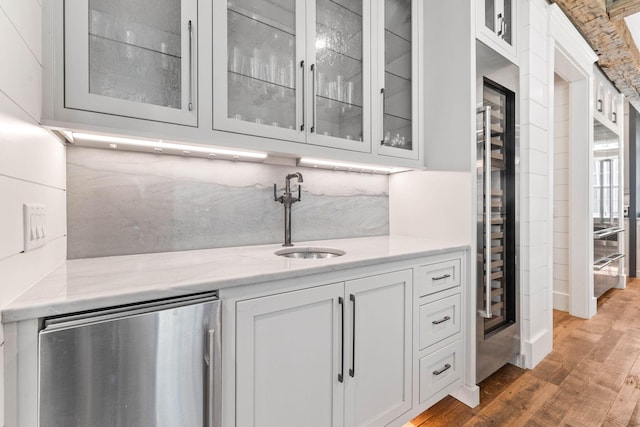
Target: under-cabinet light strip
166, 145
346, 166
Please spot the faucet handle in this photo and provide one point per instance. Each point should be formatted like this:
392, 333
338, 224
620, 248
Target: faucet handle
299, 192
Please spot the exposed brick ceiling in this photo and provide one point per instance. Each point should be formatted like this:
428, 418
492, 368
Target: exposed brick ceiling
610, 39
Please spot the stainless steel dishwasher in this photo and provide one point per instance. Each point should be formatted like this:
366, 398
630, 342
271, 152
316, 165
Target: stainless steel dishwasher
148, 365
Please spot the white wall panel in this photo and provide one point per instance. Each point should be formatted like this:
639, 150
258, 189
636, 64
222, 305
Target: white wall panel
29, 152
21, 74
22, 13
434, 205
21, 271
14, 193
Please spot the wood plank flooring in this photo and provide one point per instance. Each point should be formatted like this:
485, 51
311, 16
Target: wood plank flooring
592, 377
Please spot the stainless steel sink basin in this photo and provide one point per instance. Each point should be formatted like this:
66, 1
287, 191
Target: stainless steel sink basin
310, 253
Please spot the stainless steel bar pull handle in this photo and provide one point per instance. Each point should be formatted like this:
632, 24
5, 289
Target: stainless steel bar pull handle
445, 276
352, 371
304, 89
313, 98
210, 359
444, 319
486, 313
190, 66
382, 99
441, 370
341, 374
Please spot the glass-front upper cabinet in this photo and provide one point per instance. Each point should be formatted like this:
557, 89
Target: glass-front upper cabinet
339, 53
496, 26
127, 58
396, 103
294, 70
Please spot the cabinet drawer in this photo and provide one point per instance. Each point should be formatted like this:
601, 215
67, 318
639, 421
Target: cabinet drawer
437, 277
438, 320
440, 369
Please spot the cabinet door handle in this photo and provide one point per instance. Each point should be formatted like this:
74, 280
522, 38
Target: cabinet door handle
304, 89
441, 370
382, 116
599, 105
444, 276
444, 319
614, 117
341, 374
210, 360
352, 371
190, 26
500, 27
313, 98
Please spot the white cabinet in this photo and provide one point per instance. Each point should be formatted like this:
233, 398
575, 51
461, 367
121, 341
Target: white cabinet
129, 59
607, 103
397, 86
330, 355
496, 26
288, 359
294, 70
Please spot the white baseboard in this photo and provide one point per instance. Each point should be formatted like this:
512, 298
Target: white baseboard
537, 349
560, 301
469, 395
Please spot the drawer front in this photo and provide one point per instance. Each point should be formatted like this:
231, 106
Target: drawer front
440, 369
437, 277
439, 320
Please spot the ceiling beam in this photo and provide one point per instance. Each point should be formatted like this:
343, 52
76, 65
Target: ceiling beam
611, 40
618, 9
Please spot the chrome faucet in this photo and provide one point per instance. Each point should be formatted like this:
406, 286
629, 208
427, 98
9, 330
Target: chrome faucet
287, 200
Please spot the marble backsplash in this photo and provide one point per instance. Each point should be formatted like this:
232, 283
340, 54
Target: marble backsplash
121, 203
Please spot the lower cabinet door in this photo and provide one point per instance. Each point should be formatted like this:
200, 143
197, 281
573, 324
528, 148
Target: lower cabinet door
288, 349
378, 380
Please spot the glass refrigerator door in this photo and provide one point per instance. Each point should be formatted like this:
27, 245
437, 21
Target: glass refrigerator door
338, 111
495, 234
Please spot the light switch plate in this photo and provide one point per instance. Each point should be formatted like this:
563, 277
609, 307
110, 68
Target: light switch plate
35, 230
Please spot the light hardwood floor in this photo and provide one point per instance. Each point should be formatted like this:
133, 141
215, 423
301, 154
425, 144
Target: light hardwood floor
592, 377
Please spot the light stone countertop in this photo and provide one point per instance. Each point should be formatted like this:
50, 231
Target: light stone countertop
93, 283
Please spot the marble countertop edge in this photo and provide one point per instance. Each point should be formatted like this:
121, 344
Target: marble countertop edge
96, 283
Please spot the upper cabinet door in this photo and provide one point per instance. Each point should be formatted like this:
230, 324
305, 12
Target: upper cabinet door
496, 26
339, 74
127, 58
397, 89
258, 51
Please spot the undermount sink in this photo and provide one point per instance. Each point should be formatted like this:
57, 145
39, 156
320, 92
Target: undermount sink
310, 253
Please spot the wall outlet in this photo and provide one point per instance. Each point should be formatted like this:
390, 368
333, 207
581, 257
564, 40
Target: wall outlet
35, 230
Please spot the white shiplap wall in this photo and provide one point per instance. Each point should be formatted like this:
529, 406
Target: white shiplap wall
535, 245
561, 195
32, 161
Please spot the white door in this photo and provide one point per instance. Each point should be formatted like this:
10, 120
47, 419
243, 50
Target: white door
129, 59
258, 67
396, 93
378, 335
288, 351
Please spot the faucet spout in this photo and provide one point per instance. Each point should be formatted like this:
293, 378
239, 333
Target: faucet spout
287, 200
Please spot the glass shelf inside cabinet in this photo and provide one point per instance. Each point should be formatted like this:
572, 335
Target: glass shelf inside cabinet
261, 63
135, 55
339, 61
397, 108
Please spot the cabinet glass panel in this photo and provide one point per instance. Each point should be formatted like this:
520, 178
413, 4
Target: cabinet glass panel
497, 18
339, 49
135, 51
397, 77
261, 64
